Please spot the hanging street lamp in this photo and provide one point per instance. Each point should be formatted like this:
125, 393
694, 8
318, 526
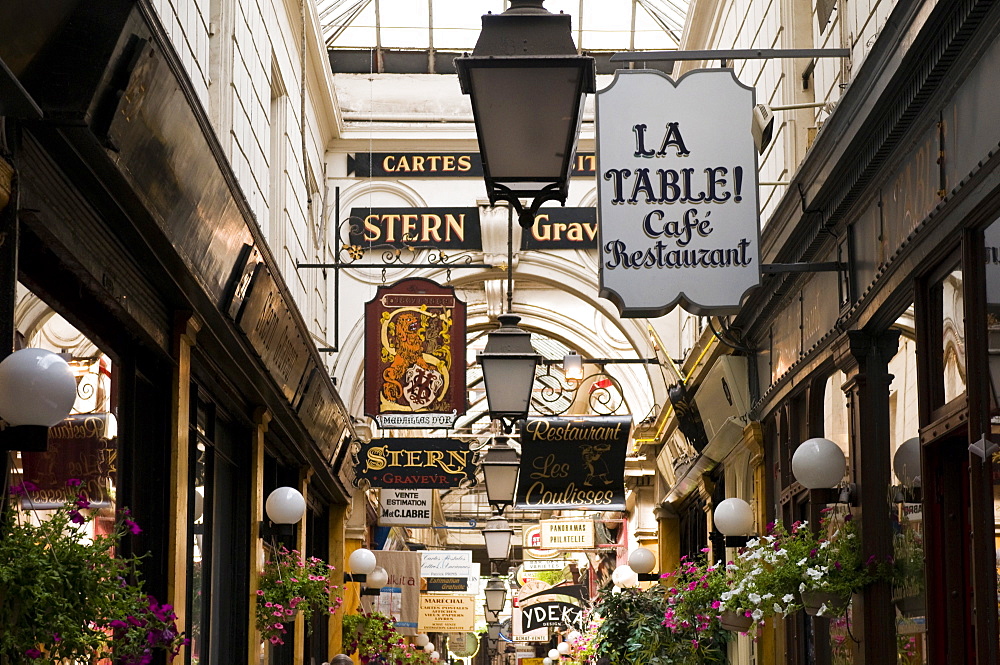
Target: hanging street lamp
527, 82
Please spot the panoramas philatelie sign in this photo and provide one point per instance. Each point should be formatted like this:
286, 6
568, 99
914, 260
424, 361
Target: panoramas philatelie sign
677, 192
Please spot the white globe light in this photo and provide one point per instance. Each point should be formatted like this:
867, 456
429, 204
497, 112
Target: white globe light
37, 387
554, 655
435, 656
377, 579
734, 517
428, 647
906, 462
624, 576
362, 562
573, 636
819, 464
563, 648
615, 590
285, 505
546, 661
421, 639
642, 561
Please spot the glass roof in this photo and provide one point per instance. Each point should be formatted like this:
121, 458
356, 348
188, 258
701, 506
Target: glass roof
454, 25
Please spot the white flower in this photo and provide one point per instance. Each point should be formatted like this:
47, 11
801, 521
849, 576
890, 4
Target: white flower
787, 598
777, 608
767, 596
756, 614
801, 562
822, 610
814, 573
754, 598
824, 544
802, 587
726, 595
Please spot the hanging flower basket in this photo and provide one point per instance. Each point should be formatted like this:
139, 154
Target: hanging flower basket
911, 606
824, 603
737, 622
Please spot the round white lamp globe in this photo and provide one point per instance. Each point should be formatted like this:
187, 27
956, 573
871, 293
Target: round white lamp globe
615, 590
435, 656
818, 464
429, 648
642, 561
421, 639
285, 505
563, 648
906, 462
734, 517
377, 579
624, 576
546, 661
362, 562
36, 388
573, 636
554, 655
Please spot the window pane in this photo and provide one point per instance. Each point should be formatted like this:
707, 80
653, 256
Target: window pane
953, 335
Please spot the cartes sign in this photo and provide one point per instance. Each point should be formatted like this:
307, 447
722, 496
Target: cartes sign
573, 463
446, 570
677, 192
415, 463
435, 165
415, 355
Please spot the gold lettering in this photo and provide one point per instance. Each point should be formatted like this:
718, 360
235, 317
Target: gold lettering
433, 159
375, 229
394, 456
403, 164
434, 458
457, 224
432, 227
575, 232
418, 163
557, 230
413, 457
409, 224
376, 458
536, 228
591, 230
448, 163
390, 223
464, 163
387, 163
457, 461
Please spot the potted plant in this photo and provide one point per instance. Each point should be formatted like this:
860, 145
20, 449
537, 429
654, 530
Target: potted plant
764, 580
835, 569
672, 622
67, 594
908, 568
375, 639
288, 585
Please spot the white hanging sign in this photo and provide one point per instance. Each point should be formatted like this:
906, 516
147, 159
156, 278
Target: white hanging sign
677, 192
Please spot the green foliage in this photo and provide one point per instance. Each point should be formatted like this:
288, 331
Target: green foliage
289, 584
374, 637
837, 565
672, 623
65, 596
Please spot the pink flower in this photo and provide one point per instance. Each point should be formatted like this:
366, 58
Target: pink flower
260, 592
276, 640
716, 604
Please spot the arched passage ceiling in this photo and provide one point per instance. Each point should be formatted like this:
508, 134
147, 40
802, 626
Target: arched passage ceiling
396, 93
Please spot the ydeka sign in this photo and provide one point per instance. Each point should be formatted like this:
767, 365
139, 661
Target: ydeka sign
677, 192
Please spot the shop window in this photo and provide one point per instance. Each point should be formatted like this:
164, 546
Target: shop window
84, 446
217, 563
905, 508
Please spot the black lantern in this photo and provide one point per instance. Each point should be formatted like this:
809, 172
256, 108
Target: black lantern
497, 534
508, 363
527, 83
496, 595
500, 467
